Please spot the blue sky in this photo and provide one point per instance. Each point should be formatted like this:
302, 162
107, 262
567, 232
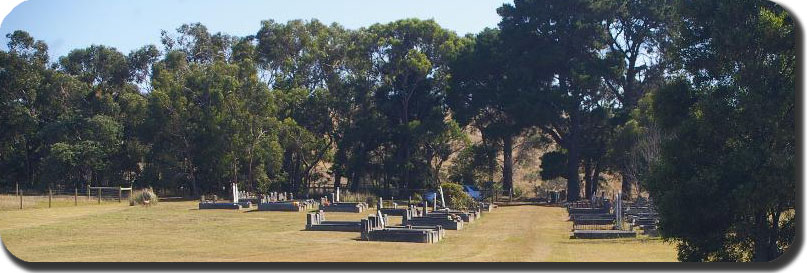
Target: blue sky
126, 25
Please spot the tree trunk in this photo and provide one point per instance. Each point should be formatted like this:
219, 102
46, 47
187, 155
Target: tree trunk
492, 162
235, 170
762, 236
192, 177
337, 179
594, 178
766, 235
627, 187
587, 178
573, 164
405, 160
250, 177
355, 181
437, 171
29, 171
507, 167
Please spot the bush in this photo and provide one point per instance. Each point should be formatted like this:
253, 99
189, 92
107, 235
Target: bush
417, 198
456, 197
517, 192
144, 197
369, 198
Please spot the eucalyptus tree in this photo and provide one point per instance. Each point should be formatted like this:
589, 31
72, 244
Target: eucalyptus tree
106, 129
637, 38
304, 62
208, 113
23, 107
558, 47
410, 71
489, 94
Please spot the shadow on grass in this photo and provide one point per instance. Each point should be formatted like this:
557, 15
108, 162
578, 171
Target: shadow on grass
176, 199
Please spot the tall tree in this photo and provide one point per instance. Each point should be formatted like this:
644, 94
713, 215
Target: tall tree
410, 70
23, 106
558, 47
486, 93
637, 35
725, 182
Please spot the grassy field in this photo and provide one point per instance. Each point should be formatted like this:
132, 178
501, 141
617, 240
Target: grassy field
177, 231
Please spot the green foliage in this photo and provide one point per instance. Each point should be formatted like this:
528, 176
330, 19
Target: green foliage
725, 181
553, 165
473, 165
456, 198
417, 198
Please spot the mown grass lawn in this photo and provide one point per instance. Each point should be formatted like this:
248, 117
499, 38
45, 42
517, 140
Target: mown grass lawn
177, 231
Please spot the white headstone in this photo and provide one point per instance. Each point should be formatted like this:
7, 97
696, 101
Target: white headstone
435, 202
381, 219
235, 193
442, 197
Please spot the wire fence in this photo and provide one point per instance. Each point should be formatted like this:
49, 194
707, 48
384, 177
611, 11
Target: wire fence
19, 198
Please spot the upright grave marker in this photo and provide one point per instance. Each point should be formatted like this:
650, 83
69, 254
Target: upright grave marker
435, 202
442, 197
235, 192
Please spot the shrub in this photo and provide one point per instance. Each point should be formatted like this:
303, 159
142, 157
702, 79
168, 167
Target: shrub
517, 192
144, 197
417, 198
456, 197
369, 198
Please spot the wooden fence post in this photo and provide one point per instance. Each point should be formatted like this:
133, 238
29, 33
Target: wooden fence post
88, 192
75, 197
120, 194
50, 197
20, 198
99, 195
511, 193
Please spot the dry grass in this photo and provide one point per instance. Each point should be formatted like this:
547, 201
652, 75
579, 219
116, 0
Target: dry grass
177, 231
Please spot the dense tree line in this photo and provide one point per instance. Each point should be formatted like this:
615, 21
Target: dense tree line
690, 101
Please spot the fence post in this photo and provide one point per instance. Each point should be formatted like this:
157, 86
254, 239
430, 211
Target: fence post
88, 192
20, 198
120, 194
50, 197
99, 195
511, 193
75, 197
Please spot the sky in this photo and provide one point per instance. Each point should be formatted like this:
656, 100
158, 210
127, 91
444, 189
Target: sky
128, 24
